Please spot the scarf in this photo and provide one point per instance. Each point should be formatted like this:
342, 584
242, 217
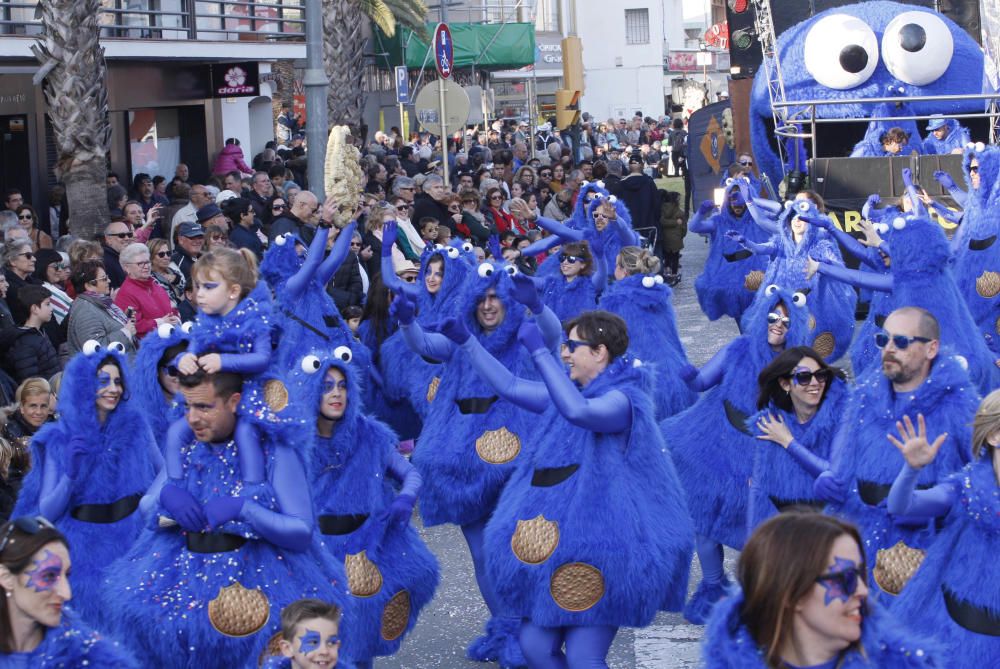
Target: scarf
106, 303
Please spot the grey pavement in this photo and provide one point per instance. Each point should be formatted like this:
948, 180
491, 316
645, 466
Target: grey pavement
456, 615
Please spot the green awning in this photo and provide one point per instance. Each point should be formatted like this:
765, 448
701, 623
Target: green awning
496, 46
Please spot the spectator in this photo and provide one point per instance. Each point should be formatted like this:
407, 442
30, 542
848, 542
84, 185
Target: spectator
117, 197
19, 268
245, 231
165, 272
182, 173
234, 182
6, 317
13, 199
296, 220
149, 303
474, 225
116, 237
201, 196
28, 351
188, 244
405, 188
347, 288
261, 193
638, 192
94, 315
142, 187
216, 237
231, 158
500, 220
31, 408
52, 270
678, 147
160, 185
28, 219
673, 228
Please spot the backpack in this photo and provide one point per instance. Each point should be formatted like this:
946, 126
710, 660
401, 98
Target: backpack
678, 142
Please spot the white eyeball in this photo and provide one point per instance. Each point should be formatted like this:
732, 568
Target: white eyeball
281, 240
91, 346
468, 247
917, 47
802, 206
648, 282
584, 183
484, 270
637, 363
439, 247
841, 51
310, 364
659, 279
729, 181
980, 147
117, 347
187, 327
769, 291
898, 223
600, 183
612, 199
799, 299
452, 252
164, 330
511, 269
343, 353
962, 361
788, 204
882, 228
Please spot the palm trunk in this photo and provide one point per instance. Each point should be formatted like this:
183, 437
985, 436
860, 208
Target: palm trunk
74, 74
343, 59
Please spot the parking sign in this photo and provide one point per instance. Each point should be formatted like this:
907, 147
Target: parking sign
402, 85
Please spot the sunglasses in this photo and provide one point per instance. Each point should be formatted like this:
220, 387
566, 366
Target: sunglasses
774, 317
573, 344
974, 169
27, 255
119, 235
28, 524
805, 378
604, 216
565, 257
163, 254
60, 266
24, 217
496, 197
901, 342
278, 207
844, 583
746, 163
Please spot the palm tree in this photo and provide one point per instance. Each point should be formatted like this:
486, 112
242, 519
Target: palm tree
344, 47
74, 74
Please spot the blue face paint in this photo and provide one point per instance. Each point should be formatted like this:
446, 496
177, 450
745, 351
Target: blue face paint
210, 285
841, 582
309, 641
45, 573
330, 384
333, 640
103, 379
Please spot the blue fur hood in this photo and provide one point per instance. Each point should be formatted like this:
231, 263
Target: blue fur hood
74, 644
918, 248
498, 277
988, 195
457, 271
281, 261
77, 396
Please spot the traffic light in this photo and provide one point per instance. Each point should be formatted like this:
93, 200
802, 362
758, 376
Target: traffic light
568, 98
567, 108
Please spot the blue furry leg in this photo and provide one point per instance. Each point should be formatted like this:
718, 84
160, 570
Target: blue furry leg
713, 583
473, 533
586, 646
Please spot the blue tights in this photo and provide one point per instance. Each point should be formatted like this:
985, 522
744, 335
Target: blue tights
586, 647
710, 557
473, 533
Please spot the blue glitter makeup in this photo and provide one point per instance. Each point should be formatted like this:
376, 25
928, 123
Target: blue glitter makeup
309, 641
330, 384
45, 574
210, 285
103, 379
841, 582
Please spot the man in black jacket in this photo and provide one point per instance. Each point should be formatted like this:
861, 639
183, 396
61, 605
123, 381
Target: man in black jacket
639, 194
347, 288
430, 203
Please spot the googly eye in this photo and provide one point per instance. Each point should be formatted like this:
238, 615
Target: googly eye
281, 240
599, 196
439, 247
898, 223
612, 199
117, 347
310, 364
658, 279
881, 228
600, 183
648, 282
452, 252
164, 330
484, 270
91, 346
962, 361
917, 47
799, 299
970, 145
468, 247
802, 206
584, 183
788, 204
841, 51
343, 353
187, 327
730, 181
770, 290
512, 270
980, 147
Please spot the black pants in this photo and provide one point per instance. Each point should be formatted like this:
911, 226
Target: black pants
672, 261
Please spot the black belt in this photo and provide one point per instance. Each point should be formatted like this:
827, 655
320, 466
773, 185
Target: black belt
307, 325
737, 418
476, 404
982, 244
338, 525
784, 504
742, 254
973, 618
107, 513
201, 542
872, 494
548, 477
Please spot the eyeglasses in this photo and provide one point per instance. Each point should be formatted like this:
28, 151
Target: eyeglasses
746, 162
403, 207
278, 207
24, 217
973, 169
163, 254
496, 197
901, 342
27, 255
843, 583
100, 279
140, 263
59, 266
119, 235
604, 216
28, 524
774, 317
356, 244
573, 344
565, 257
805, 378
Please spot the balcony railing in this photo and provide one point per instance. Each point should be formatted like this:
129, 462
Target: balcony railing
176, 19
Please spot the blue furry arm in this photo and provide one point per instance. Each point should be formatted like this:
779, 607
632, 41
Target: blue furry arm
946, 213
375, 376
870, 280
249, 363
702, 223
151, 500
764, 215
291, 526
541, 246
600, 276
341, 247
530, 395
762, 248
563, 232
53, 500
393, 282
428, 344
551, 328
626, 235
903, 500
250, 452
179, 434
296, 285
400, 469
809, 461
611, 412
865, 254
710, 375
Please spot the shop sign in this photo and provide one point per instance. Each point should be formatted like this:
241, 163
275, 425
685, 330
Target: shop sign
234, 80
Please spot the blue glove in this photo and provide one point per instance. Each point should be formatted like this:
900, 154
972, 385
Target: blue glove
945, 180
744, 190
907, 177
388, 238
402, 309
183, 507
399, 512
706, 208
822, 222
455, 330
220, 510
735, 236
530, 336
688, 373
526, 293
79, 449
873, 200
829, 489
494, 245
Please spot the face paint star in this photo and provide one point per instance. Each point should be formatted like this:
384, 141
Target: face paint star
837, 588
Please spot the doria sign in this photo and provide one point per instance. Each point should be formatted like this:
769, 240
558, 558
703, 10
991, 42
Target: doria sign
233, 80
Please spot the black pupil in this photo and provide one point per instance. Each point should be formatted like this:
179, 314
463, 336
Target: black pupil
853, 58
912, 37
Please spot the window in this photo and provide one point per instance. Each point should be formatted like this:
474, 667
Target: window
637, 26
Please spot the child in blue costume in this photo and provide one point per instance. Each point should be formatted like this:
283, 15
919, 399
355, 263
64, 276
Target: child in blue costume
920, 277
220, 539
878, 135
639, 296
800, 403
154, 379
597, 486
472, 440
831, 304
732, 274
803, 602
949, 596
91, 468
42, 631
713, 447
361, 520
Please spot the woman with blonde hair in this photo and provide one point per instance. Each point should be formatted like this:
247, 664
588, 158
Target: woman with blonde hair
31, 410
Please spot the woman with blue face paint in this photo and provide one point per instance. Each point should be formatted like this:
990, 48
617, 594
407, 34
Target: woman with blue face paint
581, 278
802, 603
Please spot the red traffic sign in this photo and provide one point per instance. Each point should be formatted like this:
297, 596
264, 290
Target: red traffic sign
444, 51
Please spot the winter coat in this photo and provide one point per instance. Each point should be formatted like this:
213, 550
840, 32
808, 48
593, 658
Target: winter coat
113, 266
28, 353
89, 319
639, 194
426, 206
346, 288
672, 230
149, 300
229, 159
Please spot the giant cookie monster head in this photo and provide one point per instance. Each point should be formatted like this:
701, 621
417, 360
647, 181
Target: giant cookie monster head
868, 50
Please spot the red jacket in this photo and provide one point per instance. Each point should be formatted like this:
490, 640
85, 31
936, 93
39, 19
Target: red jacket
229, 159
149, 300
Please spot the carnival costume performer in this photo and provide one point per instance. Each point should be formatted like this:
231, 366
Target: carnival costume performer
225, 548
803, 602
873, 144
40, 631
91, 468
579, 220
581, 278
800, 403
154, 378
944, 136
472, 439
918, 376
948, 597
597, 485
641, 298
713, 447
362, 521
732, 274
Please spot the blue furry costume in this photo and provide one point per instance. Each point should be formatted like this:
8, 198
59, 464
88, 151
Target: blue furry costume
729, 645
644, 303
950, 583
779, 478
820, 76
74, 645
122, 461
146, 390
871, 145
956, 138
347, 476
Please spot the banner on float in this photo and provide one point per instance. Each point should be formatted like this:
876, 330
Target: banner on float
708, 153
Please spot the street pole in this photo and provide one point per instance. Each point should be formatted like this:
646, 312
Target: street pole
444, 109
315, 83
